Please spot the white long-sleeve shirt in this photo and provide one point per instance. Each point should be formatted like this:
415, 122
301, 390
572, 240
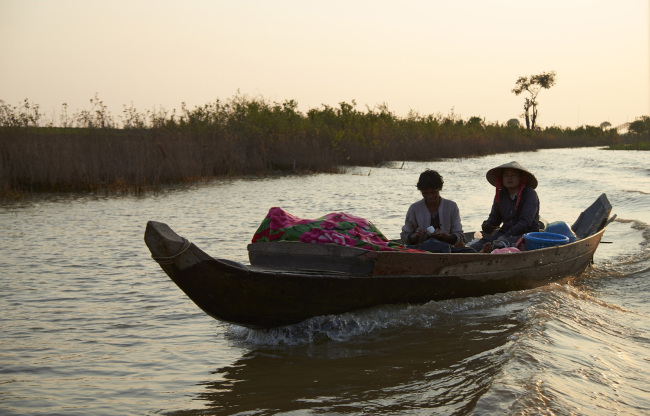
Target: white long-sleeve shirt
418, 216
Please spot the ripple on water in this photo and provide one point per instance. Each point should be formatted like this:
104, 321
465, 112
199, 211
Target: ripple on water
91, 324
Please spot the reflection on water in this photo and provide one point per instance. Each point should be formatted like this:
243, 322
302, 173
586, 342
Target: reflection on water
91, 325
389, 371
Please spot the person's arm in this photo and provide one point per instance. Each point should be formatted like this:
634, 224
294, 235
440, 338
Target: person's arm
410, 226
494, 219
456, 231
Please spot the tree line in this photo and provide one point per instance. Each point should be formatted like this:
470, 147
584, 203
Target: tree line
90, 151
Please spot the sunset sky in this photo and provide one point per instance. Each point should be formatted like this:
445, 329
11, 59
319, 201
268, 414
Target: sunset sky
431, 57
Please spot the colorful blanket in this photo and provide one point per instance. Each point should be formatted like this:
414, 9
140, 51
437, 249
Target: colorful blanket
338, 228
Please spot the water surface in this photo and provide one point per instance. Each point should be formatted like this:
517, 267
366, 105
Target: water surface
92, 326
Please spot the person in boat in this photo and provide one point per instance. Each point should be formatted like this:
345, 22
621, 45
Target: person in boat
433, 211
515, 210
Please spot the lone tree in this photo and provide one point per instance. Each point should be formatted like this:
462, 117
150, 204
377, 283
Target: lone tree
533, 85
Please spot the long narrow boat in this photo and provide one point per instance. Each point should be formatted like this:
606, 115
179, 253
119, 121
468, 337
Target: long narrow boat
288, 282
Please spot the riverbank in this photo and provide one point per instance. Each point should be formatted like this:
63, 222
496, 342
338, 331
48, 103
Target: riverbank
630, 146
245, 137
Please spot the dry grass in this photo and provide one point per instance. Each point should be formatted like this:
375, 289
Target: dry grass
241, 137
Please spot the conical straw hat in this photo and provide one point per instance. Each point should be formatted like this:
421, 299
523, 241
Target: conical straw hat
493, 174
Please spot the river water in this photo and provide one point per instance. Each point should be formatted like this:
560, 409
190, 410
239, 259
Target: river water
92, 326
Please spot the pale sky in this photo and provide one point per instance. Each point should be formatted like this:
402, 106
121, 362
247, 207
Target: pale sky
432, 57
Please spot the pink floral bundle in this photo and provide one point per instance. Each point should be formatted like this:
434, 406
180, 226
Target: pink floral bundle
334, 228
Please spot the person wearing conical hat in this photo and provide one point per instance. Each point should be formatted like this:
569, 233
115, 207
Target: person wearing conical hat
515, 210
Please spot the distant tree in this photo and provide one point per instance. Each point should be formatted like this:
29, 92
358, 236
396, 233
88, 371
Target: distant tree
640, 126
533, 85
513, 122
605, 125
476, 122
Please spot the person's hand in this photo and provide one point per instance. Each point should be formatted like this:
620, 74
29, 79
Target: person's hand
418, 236
444, 237
487, 248
501, 242
488, 228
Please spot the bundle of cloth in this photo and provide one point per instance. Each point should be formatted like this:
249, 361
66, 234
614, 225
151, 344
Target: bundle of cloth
334, 228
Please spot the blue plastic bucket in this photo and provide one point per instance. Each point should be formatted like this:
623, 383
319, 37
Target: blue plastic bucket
535, 241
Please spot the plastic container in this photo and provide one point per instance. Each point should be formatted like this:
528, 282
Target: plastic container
535, 241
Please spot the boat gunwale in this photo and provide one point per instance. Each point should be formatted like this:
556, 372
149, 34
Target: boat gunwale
561, 253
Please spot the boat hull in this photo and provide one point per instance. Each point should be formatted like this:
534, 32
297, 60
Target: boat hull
260, 296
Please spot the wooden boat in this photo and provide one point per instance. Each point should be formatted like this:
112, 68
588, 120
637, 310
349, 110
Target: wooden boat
288, 282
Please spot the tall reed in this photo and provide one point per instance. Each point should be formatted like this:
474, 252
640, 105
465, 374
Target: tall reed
86, 151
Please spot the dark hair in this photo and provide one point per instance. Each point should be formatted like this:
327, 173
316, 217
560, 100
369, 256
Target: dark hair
430, 179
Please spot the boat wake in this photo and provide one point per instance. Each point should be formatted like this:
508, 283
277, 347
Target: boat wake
374, 322
598, 346
625, 250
